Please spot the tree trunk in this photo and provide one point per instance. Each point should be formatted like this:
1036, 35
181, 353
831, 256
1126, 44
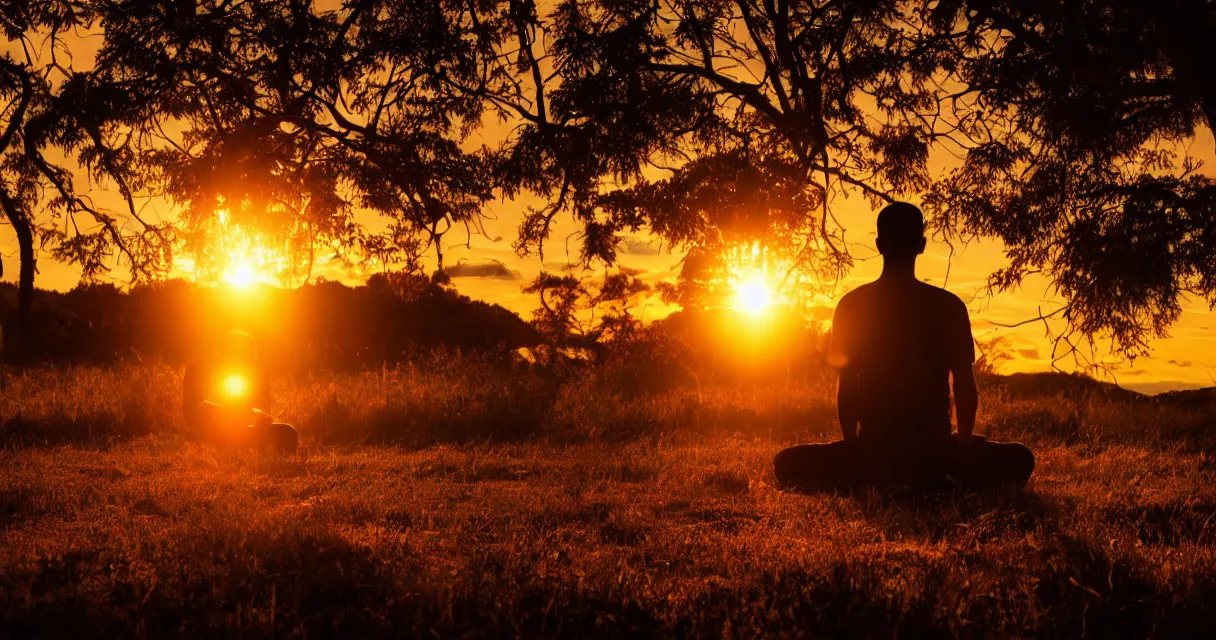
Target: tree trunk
16, 340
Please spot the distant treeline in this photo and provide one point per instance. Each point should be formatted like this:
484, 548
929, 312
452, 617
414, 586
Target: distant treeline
322, 326
332, 327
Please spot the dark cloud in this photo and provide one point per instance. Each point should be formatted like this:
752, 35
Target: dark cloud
492, 269
1182, 363
630, 271
1029, 354
634, 245
559, 267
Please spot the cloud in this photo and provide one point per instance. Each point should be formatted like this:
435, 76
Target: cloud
490, 269
1182, 363
560, 267
1029, 354
630, 271
634, 245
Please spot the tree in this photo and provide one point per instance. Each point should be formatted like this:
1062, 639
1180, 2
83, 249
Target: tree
1066, 116
717, 124
17, 88
294, 116
1069, 117
60, 122
579, 317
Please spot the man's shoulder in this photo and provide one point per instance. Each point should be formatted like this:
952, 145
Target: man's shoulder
941, 296
857, 295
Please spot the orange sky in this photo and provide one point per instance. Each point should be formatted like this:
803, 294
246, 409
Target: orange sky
1186, 359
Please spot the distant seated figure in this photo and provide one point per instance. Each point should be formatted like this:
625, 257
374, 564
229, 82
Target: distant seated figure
222, 397
896, 342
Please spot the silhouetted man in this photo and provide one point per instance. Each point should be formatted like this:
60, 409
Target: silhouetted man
222, 397
896, 343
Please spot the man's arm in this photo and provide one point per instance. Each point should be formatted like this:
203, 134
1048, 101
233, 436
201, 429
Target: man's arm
966, 400
840, 356
962, 356
846, 404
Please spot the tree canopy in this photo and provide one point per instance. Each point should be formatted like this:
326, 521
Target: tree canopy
731, 129
1072, 119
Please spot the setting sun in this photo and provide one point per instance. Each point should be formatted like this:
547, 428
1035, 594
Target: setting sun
752, 288
235, 257
753, 295
240, 276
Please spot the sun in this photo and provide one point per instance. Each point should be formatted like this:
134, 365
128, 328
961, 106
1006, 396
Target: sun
248, 263
243, 259
753, 295
751, 288
235, 385
241, 276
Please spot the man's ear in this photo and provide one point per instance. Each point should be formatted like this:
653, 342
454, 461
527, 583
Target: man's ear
924, 242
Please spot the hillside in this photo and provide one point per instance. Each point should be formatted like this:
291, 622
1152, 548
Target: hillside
326, 325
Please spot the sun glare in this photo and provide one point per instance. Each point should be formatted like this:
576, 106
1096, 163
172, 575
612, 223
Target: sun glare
237, 259
753, 295
240, 276
235, 385
753, 291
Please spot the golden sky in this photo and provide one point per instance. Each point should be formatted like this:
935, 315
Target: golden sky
1185, 359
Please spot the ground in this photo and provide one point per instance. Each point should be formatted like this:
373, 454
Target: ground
678, 532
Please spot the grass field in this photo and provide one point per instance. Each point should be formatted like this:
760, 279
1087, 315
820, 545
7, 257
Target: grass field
572, 513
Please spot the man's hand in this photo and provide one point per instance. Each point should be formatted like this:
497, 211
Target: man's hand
966, 440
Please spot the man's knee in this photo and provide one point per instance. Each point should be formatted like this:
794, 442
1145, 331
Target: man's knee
814, 465
1020, 458
790, 463
1013, 461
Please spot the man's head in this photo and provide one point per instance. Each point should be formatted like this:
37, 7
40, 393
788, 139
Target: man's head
901, 231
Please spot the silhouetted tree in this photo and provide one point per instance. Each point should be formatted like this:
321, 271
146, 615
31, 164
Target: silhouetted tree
295, 114
724, 122
726, 127
1072, 117
578, 317
63, 123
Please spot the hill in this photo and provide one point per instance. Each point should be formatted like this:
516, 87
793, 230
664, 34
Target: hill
326, 325
1026, 386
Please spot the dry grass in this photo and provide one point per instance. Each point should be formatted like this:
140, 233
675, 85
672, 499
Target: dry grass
599, 516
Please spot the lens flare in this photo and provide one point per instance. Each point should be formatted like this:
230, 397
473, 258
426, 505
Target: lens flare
753, 295
236, 385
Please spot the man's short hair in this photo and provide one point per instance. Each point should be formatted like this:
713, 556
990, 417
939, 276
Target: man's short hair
901, 226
